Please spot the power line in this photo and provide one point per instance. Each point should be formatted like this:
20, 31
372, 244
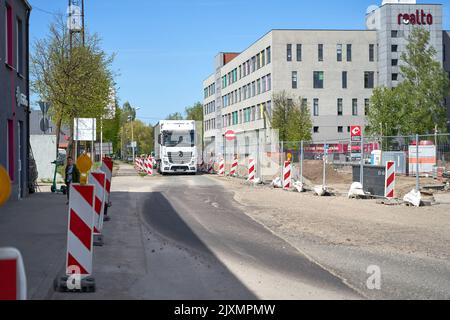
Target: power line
48, 12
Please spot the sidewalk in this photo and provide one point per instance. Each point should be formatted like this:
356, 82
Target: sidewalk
37, 227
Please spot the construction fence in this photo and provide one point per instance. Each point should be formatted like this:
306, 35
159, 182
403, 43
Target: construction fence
419, 159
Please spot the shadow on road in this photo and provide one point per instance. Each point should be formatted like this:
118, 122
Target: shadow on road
165, 221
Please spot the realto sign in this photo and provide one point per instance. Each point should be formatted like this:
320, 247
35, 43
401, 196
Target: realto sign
417, 18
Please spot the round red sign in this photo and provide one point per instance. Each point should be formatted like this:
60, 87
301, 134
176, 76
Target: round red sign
230, 135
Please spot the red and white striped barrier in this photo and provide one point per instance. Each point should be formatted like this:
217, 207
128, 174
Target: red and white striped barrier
107, 168
390, 180
222, 167
211, 166
98, 180
234, 167
287, 175
149, 167
251, 169
80, 230
13, 282
136, 164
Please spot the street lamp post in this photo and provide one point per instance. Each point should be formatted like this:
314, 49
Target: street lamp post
133, 144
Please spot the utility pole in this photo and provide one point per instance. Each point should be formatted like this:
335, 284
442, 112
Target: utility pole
82, 23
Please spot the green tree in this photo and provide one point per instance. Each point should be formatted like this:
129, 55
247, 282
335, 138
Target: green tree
291, 118
143, 135
75, 79
195, 112
417, 104
175, 116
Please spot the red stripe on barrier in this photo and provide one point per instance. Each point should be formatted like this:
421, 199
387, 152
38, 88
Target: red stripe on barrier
390, 179
390, 194
108, 163
71, 261
252, 169
8, 280
100, 177
287, 175
85, 192
98, 205
390, 165
80, 230
108, 185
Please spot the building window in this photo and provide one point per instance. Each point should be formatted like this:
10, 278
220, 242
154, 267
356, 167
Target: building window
289, 52
10, 149
339, 52
369, 79
371, 52
19, 47
355, 107
258, 86
9, 36
269, 82
395, 77
394, 33
340, 129
316, 107
299, 52
316, 129
340, 109
349, 52
253, 88
268, 55
258, 61
366, 106
394, 48
263, 58
253, 64
344, 79
294, 79
320, 52
394, 62
318, 79
304, 102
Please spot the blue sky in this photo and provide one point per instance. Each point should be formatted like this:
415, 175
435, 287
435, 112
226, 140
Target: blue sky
165, 48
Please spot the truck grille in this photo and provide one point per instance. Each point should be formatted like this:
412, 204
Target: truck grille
180, 157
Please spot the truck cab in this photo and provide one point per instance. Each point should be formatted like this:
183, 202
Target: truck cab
175, 146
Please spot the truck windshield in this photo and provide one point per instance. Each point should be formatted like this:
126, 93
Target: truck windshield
178, 138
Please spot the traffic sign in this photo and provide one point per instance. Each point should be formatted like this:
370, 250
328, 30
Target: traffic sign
230, 135
356, 133
44, 124
44, 106
5, 186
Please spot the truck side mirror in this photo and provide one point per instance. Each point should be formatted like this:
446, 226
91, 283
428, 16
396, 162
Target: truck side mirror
159, 139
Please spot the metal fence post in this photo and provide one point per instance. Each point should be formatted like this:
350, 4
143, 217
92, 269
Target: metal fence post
301, 161
281, 158
417, 164
324, 164
361, 169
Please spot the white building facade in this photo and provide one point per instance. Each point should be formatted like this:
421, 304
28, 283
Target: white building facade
333, 71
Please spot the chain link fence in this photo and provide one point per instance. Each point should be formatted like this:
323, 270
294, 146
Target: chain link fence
420, 160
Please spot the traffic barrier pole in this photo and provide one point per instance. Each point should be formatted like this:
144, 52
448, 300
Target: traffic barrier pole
107, 168
222, 168
98, 179
150, 166
234, 167
13, 281
251, 169
287, 172
390, 180
80, 232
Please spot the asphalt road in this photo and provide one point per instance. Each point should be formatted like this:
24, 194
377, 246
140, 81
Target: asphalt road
184, 237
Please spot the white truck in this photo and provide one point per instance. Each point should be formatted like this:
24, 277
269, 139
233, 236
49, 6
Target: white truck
176, 146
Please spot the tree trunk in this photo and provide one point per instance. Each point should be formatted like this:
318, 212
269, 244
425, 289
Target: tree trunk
58, 134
